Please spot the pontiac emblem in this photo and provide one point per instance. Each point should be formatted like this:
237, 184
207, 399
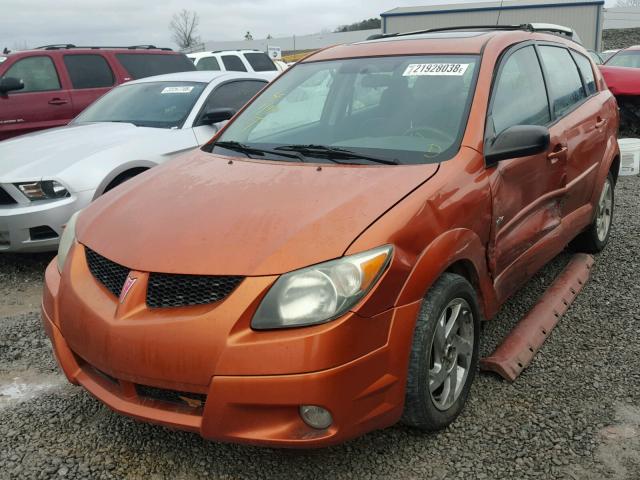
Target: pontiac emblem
126, 288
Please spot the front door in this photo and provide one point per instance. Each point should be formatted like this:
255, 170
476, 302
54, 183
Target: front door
42, 103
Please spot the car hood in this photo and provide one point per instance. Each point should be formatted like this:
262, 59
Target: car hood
47, 154
622, 80
210, 215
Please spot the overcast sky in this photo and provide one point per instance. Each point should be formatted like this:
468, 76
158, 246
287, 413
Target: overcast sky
129, 22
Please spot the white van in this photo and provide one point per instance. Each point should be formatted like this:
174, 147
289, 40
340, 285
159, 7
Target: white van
234, 61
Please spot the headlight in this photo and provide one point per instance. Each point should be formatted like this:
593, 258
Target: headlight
68, 237
44, 190
321, 293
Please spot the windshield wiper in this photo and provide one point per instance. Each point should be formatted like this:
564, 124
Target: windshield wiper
335, 153
248, 151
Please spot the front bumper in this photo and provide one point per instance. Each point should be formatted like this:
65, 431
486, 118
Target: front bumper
362, 394
16, 222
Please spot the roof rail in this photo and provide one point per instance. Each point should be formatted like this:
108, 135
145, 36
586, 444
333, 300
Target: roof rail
68, 46
530, 27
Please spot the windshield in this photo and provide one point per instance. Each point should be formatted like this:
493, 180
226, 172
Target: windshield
409, 109
153, 104
628, 58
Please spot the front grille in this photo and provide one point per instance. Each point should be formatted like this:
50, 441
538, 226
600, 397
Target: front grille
109, 273
168, 290
185, 399
5, 198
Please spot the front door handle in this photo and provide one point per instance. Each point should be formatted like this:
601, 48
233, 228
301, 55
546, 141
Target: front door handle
58, 101
559, 151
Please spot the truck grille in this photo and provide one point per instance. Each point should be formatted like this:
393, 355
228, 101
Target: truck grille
164, 290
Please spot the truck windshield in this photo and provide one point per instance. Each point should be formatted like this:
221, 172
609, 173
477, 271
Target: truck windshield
153, 104
403, 109
628, 58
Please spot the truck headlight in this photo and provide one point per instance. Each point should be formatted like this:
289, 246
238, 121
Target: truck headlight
322, 292
44, 190
66, 241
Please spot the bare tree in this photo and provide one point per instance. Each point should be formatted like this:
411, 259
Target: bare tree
184, 26
628, 3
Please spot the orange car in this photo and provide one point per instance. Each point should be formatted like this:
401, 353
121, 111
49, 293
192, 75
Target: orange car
321, 267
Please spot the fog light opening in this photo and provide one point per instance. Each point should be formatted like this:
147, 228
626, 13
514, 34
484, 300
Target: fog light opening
316, 417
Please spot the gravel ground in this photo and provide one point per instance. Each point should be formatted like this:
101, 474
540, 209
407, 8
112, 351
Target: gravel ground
574, 413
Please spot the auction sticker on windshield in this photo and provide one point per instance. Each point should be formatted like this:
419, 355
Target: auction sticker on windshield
176, 90
417, 69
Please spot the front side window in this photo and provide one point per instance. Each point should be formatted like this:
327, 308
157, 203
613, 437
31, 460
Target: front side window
38, 74
153, 104
233, 94
587, 73
625, 58
565, 84
260, 62
89, 71
405, 109
140, 65
208, 63
232, 63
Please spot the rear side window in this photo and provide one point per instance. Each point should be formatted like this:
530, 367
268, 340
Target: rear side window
88, 71
38, 74
587, 73
260, 62
208, 63
520, 97
565, 84
140, 65
233, 63
234, 94
625, 58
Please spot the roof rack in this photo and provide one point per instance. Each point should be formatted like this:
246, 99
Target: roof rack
68, 46
530, 27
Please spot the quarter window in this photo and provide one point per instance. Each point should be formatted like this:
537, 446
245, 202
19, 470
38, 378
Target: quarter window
520, 96
208, 63
587, 73
564, 80
38, 74
233, 63
88, 71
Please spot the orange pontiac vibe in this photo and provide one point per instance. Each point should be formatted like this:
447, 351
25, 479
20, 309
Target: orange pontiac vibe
321, 267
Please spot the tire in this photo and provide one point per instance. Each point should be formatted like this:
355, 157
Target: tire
596, 235
434, 410
123, 177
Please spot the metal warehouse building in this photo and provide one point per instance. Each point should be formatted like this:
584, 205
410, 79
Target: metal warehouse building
585, 17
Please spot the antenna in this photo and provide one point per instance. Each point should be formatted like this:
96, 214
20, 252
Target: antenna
499, 12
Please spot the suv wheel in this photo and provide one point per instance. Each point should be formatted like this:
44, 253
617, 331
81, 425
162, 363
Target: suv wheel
444, 354
596, 236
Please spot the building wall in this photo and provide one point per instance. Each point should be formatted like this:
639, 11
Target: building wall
584, 19
621, 17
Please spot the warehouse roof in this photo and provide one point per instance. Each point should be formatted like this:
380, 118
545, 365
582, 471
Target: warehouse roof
506, 5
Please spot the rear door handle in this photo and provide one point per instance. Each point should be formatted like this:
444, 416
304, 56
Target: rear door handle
559, 151
600, 122
58, 101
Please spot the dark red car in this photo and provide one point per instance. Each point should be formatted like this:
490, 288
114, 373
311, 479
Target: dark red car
50, 85
621, 72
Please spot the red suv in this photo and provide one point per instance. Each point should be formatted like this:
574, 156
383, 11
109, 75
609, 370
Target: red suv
50, 85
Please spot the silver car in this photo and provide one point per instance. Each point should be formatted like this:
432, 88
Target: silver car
47, 176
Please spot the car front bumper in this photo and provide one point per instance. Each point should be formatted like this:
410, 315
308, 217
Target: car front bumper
18, 220
362, 394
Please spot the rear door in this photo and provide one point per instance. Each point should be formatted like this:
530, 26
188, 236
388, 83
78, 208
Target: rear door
90, 76
527, 192
43, 103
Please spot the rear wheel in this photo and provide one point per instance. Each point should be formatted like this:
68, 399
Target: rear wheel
596, 236
444, 354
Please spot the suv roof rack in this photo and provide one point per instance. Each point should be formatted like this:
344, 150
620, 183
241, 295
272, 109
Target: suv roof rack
68, 46
530, 27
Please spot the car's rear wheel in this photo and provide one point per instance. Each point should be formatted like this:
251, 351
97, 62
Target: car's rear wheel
444, 354
596, 236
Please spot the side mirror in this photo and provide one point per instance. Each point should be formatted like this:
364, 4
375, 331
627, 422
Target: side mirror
216, 115
516, 141
9, 84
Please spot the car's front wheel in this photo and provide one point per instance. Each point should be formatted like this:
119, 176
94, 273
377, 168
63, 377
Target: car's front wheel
444, 354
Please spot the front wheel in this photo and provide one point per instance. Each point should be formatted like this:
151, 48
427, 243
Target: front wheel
444, 354
596, 236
